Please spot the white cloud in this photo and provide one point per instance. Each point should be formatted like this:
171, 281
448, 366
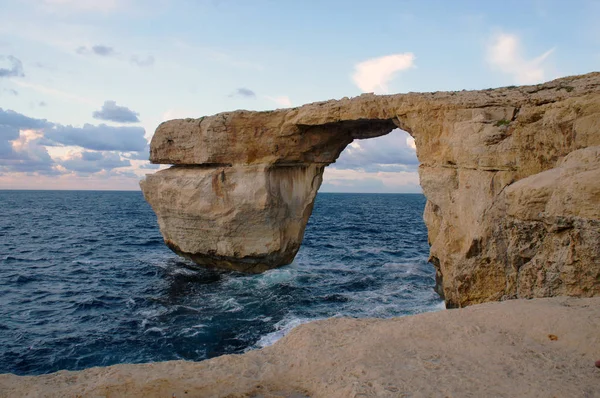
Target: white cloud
505, 53
112, 112
374, 74
28, 156
354, 145
282, 100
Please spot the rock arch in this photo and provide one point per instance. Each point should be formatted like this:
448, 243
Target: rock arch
493, 162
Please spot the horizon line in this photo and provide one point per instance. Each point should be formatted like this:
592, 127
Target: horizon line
139, 190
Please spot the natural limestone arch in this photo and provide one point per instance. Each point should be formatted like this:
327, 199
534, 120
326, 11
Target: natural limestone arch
495, 167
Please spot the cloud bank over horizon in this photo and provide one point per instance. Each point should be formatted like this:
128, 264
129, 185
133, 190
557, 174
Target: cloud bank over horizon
33, 148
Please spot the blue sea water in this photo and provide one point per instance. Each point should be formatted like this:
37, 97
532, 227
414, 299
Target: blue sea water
86, 280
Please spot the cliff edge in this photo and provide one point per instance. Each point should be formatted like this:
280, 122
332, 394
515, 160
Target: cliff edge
511, 176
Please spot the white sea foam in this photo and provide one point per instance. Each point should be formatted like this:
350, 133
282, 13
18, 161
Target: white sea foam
154, 330
282, 327
183, 271
151, 313
84, 262
187, 307
276, 276
230, 305
192, 331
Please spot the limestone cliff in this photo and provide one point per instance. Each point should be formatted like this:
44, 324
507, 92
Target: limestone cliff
511, 177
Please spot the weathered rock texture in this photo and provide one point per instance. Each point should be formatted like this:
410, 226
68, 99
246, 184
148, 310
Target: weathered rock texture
518, 348
511, 176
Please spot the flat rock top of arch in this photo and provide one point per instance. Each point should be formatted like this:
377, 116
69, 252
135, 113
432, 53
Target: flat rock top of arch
318, 132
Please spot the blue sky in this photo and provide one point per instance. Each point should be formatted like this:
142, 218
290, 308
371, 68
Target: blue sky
84, 83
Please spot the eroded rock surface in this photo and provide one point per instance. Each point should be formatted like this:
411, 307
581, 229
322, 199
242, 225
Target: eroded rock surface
248, 218
510, 177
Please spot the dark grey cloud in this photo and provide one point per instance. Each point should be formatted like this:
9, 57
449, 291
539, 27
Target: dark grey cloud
142, 61
243, 92
11, 118
112, 112
98, 49
12, 122
6, 149
30, 157
387, 153
88, 162
95, 137
102, 50
98, 137
11, 66
34, 158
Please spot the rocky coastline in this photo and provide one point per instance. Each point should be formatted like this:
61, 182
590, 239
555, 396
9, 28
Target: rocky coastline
516, 348
512, 181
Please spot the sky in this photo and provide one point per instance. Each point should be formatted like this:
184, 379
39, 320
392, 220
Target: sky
84, 83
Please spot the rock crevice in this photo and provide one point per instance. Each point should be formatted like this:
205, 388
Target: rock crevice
511, 177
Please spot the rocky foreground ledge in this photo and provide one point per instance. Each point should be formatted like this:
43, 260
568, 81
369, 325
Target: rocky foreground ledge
518, 348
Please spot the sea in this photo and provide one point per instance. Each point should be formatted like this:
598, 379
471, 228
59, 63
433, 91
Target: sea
86, 280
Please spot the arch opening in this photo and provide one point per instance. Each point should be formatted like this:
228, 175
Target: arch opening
367, 227
384, 164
